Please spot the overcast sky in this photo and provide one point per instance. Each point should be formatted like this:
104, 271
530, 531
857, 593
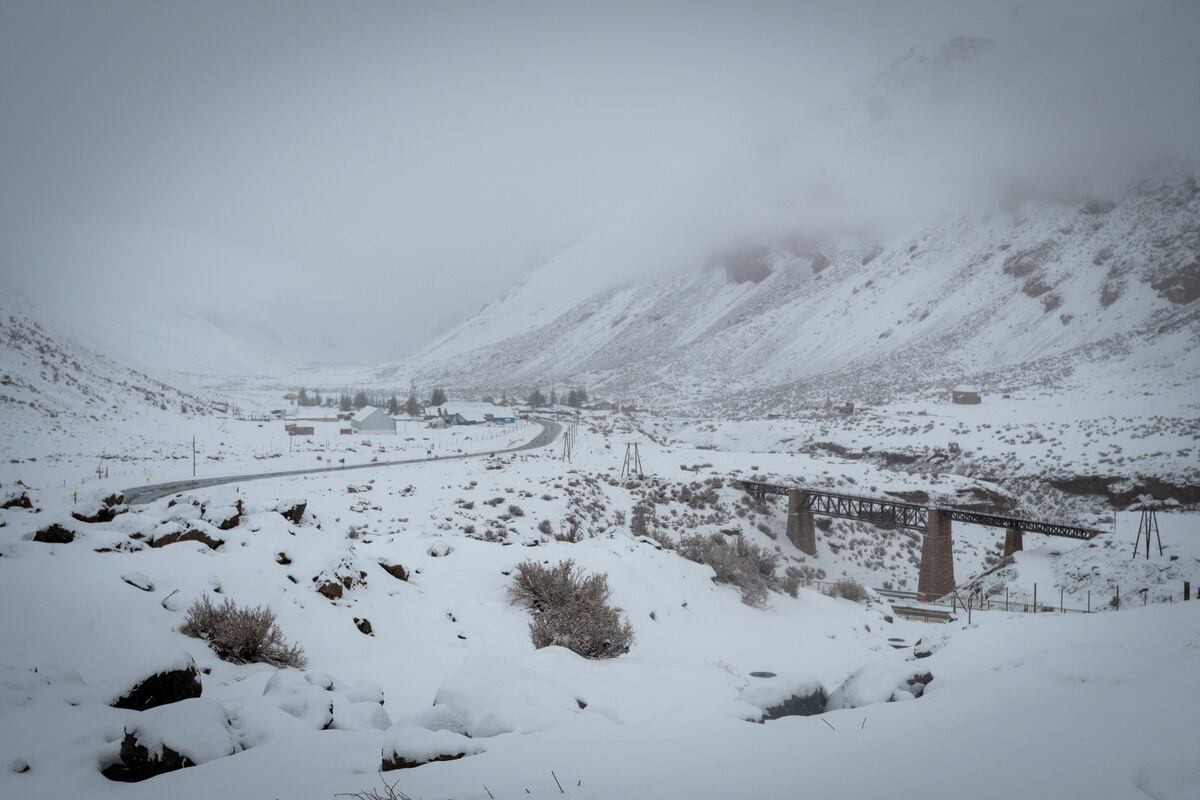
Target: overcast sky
380, 170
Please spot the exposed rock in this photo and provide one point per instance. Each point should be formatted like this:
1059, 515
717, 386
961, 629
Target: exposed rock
364, 626
395, 570
161, 688
293, 512
1180, 286
1024, 262
54, 534
138, 581
224, 518
17, 501
139, 764
411, 746
1122, 491
798, 705
102, 514
190, 535
172, 737
331, 589
1035, 286
1110, 292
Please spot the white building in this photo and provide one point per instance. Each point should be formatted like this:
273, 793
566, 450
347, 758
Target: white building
370, 419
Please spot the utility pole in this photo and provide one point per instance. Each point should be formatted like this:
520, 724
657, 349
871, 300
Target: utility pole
193, 456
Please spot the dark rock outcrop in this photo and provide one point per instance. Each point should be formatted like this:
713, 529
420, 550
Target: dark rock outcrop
54, 534
798, 705
169, 686
190, 535
294, 512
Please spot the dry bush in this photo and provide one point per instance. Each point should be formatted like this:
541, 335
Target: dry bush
388, 792
541, 588
571, 609
242, 635
745, 565
849, 589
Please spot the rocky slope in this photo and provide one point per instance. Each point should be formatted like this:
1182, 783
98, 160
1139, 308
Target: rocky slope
1018, 296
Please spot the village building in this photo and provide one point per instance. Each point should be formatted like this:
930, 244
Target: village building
965, 396
459, 413
372, 420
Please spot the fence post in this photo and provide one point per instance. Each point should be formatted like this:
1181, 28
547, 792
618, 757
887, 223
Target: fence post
1187, 590
1089, 601
1060, 599
1035, 598
1006, 597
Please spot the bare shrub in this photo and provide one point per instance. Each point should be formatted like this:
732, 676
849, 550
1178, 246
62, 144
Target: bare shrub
516, 511
571, 609
388, 792
849, 589
592, 631
545, 527
242, 635
741, 563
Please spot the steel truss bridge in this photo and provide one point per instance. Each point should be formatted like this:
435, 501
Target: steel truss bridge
898, 514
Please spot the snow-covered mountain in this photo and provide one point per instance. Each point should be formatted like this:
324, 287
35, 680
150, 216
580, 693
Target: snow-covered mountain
785, 321
45, 372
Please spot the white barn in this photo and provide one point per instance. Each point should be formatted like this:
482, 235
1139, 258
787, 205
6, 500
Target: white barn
370, 419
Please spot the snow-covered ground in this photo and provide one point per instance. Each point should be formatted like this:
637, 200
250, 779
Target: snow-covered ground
1109, 697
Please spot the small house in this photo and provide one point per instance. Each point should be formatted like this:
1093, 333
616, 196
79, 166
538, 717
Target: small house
370, 419
965, 397
502, 415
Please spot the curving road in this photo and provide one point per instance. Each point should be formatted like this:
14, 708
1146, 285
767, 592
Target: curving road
151, 492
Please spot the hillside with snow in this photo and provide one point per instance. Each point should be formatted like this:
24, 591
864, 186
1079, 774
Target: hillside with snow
1007, 302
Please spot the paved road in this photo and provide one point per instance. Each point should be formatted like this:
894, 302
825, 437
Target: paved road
151, 492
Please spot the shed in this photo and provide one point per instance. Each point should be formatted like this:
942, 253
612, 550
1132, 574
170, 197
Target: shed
372, 420
965, 396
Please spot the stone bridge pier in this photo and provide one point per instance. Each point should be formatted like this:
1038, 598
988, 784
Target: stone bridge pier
800, 529
937, 558
1012, 541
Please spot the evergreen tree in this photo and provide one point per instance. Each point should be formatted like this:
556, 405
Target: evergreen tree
344, 402
573, 399
412, 406
438, 398
582, 395
537, 399
553, 397
360, 399
317, 398
302, 397
393, 405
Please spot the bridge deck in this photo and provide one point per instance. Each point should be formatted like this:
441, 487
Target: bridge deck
898, 514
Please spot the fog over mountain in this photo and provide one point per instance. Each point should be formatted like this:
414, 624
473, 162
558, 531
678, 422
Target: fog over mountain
359, 180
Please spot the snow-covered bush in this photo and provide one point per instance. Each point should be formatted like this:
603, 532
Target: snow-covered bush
242, 635
738, 562
571, 609
849, 589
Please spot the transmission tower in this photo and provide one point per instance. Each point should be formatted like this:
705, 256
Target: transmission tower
633, 460
1147, 525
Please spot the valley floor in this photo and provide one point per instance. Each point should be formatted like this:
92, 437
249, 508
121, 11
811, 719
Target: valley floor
1076, 705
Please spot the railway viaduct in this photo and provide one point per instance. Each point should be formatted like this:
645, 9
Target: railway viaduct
937, 548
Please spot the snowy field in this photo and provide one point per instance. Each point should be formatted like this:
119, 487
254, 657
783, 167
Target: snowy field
1109, 697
